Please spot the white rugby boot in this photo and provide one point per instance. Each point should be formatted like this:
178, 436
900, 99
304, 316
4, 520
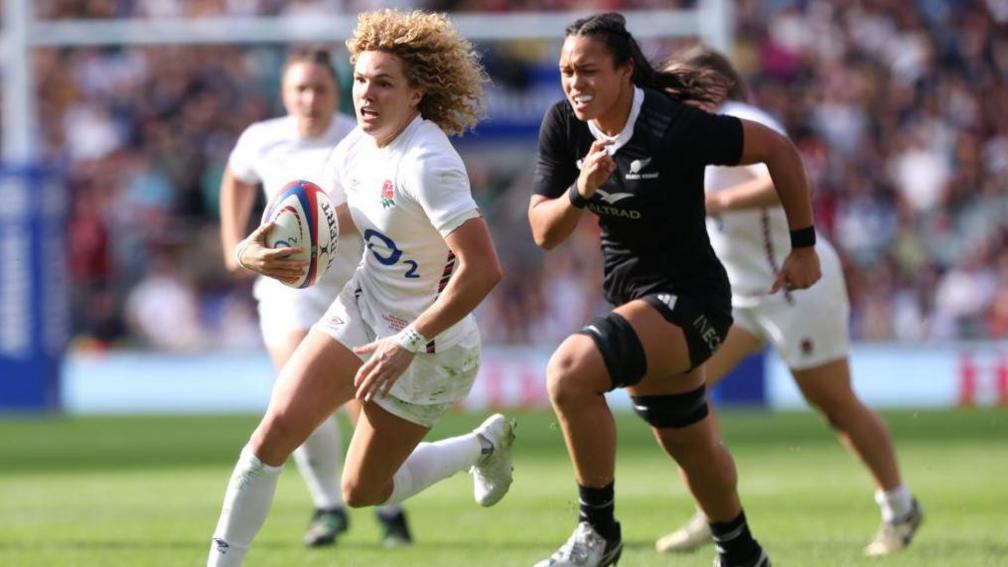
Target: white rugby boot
492, 475
585, 548
894, 536
693, 535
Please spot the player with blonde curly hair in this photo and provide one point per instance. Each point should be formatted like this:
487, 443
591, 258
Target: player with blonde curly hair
436, 60
265, 154
400, 336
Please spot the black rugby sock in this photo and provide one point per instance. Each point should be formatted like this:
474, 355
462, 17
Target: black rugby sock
596, 508
734, 543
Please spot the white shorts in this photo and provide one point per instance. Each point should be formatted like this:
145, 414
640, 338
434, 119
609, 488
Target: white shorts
813, 327
431, 385
289, 310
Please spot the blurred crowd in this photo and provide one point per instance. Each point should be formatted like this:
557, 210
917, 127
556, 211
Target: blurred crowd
59, 9
899, 107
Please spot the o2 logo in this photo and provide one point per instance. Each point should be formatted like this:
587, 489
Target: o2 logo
391, 253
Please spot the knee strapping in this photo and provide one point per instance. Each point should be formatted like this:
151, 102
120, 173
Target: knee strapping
620, 347
672, 410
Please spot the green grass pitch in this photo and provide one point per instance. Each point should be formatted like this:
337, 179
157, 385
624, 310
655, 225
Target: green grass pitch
110, 491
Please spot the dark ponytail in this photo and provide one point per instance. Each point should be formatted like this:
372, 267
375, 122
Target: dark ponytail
701, 58
686, 84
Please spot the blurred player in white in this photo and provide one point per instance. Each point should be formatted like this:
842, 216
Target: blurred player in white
428, 263
808, 328
273, 153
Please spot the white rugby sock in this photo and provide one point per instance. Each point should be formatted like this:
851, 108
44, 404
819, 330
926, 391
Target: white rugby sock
318, 461
894, 504
433, 462
246, 502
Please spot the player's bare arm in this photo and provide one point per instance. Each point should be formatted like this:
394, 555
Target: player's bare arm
478, 272
752, 194
553, 220
762, 144
236, 199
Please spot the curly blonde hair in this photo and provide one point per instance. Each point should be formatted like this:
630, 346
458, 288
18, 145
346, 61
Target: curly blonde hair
436, 59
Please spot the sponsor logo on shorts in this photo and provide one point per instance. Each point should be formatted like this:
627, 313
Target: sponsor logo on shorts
707, 332
807, 346
336, 321
668, 299
395, 323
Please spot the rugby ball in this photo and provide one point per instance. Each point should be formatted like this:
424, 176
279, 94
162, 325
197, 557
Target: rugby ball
305, 217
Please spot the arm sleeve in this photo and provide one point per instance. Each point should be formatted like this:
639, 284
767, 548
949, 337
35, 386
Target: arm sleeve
330, 181
747, 112
243, 157
555, 167
710, 139
440, 185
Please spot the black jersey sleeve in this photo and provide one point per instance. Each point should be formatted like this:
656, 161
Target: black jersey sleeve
710, 139
555, 167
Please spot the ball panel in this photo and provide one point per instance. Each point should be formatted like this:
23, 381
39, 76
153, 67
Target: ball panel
303, 216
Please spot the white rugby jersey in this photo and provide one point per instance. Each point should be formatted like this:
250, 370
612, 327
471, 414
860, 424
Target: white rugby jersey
405, 198
751, 243
273, 153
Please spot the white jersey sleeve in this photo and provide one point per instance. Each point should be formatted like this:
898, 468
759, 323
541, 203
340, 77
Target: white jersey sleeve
749, 112
330, 180
750, 243
245, 155
439, 183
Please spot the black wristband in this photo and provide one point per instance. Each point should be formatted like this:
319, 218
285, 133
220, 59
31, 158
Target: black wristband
576, 199
803, 237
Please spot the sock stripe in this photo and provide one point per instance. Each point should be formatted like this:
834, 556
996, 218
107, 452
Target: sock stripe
584, 504
726, 537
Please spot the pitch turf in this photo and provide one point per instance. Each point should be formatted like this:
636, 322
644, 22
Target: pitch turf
147, 491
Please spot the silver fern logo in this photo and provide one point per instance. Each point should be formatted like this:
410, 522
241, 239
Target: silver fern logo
639, 164
635, 170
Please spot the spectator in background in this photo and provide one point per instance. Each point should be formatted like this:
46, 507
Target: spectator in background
163, 307
912, 82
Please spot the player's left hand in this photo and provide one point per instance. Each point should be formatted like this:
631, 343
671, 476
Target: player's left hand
799, 271
387, 363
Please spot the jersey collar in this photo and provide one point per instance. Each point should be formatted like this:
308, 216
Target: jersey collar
620, 140
398, 140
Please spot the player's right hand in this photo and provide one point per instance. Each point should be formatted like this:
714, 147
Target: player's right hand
596, 167
253, 254
799, 271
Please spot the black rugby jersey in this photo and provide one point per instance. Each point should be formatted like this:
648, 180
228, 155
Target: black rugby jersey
651, 209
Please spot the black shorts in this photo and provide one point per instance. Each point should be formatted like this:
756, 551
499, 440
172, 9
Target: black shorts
705, 320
